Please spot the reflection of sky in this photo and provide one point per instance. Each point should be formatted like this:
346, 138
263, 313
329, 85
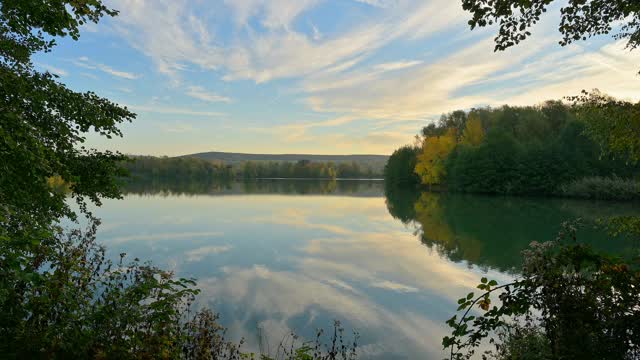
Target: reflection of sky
296, 263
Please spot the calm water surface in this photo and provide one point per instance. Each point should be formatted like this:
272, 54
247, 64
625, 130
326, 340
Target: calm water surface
292, 256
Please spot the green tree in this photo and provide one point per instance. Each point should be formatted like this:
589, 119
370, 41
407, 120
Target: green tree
44, 124
432, 130
454, 120
400, 168
580, 19
491, 167
534, 150
60, 298
614, 124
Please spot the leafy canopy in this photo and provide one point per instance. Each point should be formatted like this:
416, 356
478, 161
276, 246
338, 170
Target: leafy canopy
473, 133
431, 162
43, 124
532, 149
27, 27
401, 165
580, 19
614, 124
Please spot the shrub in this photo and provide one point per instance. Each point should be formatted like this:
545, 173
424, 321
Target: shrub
587, 304
79, 304
522, 342
602, 188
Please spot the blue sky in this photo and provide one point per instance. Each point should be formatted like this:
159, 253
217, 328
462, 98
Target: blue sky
315, 76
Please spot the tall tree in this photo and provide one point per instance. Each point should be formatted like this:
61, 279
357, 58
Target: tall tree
473, 133
431, 162
614, 124
44, 124
400, 168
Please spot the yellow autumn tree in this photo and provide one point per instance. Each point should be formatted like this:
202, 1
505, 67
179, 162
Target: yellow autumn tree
473, 133
430, 216
436, 229
435, 149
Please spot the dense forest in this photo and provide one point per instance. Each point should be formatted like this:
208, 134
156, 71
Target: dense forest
195, 169
377, 162
533, 150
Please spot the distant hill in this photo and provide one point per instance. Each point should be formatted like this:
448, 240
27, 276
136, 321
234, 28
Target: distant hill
231, 158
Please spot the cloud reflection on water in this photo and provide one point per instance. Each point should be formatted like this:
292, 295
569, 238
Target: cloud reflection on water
296, 263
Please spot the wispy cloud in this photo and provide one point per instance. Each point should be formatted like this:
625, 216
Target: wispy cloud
167, 32
373, 76
316, 34
179, 127
52, 69
172, 110
298, 132
378, 3
200, 93
394, 286
170, 32
118, 73
90, 76
84, 62
271, 13
397, 65
198, 254
164, 236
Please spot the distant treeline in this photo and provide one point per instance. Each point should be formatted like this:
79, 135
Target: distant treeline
185, 168
368, 188
532, 150
375, 161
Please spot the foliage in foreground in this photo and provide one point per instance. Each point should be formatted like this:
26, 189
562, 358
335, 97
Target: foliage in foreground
60, 296
78, 304
613, 124
81, 305
521, 342
582, 304
579, 19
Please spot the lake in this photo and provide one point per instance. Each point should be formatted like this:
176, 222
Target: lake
291, 256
